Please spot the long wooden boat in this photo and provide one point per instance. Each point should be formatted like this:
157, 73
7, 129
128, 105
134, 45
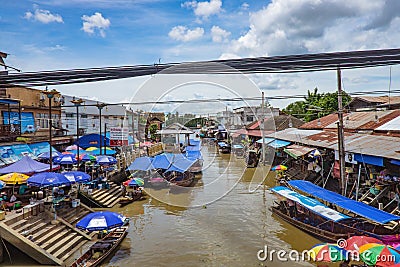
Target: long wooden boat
325, 223
123, 201
103, 248
185, 182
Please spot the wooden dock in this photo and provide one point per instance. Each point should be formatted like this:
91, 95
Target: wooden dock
47, 240
102, 198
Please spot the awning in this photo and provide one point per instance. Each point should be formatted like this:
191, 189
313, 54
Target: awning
395, 162
162, 161
310, 203
195, 155
266, 140
368, 159
278, 143
140, 164
348, 204
181, 165
296, 151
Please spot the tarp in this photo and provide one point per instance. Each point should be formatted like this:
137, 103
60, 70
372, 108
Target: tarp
21, 150
194, 146
194, 155
181, 165
395, 162
140, 164
278, 143
310, 203
162, 161
368, 159
353, 206
26, 165
296, 151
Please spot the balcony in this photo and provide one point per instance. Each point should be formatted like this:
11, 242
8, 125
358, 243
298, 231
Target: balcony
8, 132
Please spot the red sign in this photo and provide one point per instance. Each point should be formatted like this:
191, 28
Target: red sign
118, 142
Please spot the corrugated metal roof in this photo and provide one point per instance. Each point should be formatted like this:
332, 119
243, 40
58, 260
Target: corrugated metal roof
375, 145
379, 99
392, 125
321, 123
366, 120
298, 151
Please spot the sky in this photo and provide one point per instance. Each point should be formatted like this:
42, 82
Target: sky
68, 34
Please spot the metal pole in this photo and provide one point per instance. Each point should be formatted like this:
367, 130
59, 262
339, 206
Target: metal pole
77, 134
341, 132
20, 117
105, 138
100, 139
358, 181
262, 128
50, 137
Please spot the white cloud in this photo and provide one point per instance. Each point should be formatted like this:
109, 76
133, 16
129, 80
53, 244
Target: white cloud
204, 9
245, 6
43, 16
96, 21
219, 35
182, 33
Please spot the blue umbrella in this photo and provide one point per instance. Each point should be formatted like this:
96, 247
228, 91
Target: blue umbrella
101, 220
46, 155
2, 184
106, 160
98, 152
45, 179
65, 159
77, 176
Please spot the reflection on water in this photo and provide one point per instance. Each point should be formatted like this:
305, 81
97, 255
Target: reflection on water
226, 232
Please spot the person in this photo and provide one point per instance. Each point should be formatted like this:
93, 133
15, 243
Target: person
291, 208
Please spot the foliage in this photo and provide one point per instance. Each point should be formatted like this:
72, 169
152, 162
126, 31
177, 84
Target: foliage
153, 130
316, 105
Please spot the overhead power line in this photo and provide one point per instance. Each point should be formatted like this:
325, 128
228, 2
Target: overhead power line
276, 64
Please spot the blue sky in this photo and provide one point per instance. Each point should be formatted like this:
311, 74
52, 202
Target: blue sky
65, 34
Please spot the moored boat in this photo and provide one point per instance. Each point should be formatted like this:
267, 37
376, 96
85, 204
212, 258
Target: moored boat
326, 223
103, 248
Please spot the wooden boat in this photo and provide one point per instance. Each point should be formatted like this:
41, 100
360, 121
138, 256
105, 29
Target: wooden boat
252, 159
184, 180
224, 147
123, 201
103, 248
325, 223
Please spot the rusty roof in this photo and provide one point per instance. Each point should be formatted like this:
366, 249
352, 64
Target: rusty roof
375, 145
320, 123
364, 120
381, 100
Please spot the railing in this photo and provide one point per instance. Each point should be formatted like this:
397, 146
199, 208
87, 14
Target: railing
10, 131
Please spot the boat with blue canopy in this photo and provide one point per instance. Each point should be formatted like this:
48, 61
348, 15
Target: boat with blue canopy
361, 219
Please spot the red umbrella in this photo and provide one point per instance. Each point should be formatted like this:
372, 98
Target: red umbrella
355, 242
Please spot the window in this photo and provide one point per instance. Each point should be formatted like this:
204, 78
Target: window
249, 118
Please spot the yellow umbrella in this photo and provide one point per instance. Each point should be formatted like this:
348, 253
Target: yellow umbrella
14, 177
92, 148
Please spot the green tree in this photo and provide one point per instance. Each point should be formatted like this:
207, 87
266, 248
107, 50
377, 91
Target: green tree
316, 105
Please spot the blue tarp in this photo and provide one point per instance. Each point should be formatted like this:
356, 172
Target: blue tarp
395, 162
194, 155
373, 160
26, 165
278, 143
310, 203
162, 161
353, 206
140, 164
181, 165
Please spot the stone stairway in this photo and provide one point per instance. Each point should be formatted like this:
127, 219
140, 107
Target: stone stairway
107, 198
46, 240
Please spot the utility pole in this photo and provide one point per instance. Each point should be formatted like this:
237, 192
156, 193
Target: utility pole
262, 127
341, 133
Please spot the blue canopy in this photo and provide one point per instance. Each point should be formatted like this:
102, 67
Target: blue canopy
77, 176
106, 160
395, 162
140, 164
101, 220
181, 165
98, 152
278, 143
89, 140
162, 161
26, 165
373, 160
310, 203
45, 179
194, 155
222, 144
353, 206
65, 159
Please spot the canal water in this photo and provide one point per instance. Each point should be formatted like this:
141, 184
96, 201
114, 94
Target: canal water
201, 228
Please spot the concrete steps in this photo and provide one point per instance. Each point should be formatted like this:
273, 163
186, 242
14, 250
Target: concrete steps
107, 198
44, 239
